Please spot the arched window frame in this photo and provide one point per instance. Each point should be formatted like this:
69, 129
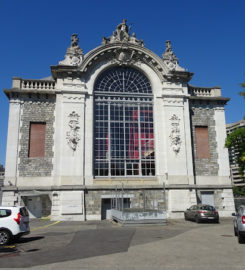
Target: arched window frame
123, 130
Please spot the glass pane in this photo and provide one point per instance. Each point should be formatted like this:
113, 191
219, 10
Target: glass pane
124, 133
123, 80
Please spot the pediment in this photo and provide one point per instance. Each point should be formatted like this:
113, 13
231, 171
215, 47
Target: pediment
124, 55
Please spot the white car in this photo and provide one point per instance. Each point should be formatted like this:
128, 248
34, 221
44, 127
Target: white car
14, 222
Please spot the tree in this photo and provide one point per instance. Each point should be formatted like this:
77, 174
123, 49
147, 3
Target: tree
243, 92
236, 141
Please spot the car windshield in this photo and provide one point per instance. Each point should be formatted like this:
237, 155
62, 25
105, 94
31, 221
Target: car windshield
207, 207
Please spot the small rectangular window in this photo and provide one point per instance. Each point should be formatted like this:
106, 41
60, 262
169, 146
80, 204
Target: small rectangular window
202, 142
37, 139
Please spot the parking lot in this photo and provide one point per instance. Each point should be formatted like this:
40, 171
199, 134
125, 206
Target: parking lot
105, 245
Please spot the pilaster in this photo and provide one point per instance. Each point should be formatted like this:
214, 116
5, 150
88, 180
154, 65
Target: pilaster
69, 138
11, 170
220, 128
177, 128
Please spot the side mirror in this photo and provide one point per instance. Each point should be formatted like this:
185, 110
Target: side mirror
233, 214
188, 209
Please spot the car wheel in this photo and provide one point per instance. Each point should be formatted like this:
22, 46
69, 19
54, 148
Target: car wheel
235, 231
185, 217
216, 221
4, 237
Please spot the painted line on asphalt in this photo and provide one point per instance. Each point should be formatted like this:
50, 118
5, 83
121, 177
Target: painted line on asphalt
45, 226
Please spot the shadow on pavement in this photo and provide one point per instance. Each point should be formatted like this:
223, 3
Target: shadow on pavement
28, 239
85, 244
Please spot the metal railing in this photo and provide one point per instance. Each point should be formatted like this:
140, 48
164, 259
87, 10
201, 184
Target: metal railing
142, 200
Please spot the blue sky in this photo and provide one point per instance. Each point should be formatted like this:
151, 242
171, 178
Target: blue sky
207, 37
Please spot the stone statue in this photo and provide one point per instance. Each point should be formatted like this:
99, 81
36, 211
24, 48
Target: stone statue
169, 57
121, 34
122, 31
74, 40
74, 54
168, 53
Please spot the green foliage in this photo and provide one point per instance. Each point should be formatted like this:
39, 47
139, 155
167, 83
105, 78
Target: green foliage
238, 191
243, 92
236, 140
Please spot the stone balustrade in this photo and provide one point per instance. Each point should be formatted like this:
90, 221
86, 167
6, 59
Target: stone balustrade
204, 91
37, 84
27, 84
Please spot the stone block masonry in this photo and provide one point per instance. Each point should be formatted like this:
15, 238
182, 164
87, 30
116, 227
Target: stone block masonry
204, 116
37, 109
154, 199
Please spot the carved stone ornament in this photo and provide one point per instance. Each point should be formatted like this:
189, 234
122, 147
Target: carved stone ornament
175, 134
124, 56
121, 34
169, 58
74, 54
73, 136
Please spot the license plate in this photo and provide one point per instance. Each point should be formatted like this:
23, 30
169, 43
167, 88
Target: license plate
210, 217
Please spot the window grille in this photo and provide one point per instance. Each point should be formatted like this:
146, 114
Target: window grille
123, 131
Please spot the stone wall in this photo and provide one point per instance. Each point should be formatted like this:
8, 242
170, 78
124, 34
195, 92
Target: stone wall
154, 199
37, 109
203, 115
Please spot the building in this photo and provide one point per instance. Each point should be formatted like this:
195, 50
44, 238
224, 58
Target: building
118, 115
235, 175
1, 181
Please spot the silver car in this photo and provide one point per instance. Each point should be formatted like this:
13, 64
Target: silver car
202, 212
239, 223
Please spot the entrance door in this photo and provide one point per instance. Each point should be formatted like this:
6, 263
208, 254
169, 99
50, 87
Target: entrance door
207, 197
106, 206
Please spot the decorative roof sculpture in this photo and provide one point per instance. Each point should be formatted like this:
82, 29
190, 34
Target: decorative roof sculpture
74, 54
121, 34
170, 59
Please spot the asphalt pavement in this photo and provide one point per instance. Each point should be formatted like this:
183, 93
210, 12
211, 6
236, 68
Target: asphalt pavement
105, 245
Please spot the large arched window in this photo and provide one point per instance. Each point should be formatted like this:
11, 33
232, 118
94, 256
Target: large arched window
123, 124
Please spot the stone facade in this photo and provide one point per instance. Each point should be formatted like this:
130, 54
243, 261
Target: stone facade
36, 109
203, 115
148, 198
65, 184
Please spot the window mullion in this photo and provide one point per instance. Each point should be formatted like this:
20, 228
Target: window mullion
124, 140
109, 138
129, 88
139, 138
